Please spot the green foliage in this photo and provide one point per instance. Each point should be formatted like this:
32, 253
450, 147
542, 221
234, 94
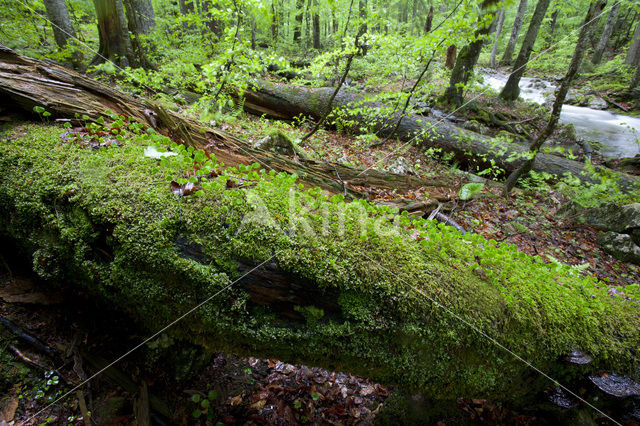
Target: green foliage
469, 190
606, 191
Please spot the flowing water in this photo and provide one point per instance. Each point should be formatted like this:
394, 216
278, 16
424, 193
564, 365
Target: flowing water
618, 135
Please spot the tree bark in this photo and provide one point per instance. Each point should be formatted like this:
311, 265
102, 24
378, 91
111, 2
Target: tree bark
140, 21
429, 22
469, 55
513, 40
494, 50
511, 90
299, 14
141, 13
115, 45
316, 25
635, 82
633, 54
595, 8
606, 34
58, 15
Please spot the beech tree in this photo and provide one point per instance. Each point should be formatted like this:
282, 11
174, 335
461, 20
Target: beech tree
511, 90
517, 24
606, 34
115, 45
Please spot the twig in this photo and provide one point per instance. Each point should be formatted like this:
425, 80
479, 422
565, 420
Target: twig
344, 185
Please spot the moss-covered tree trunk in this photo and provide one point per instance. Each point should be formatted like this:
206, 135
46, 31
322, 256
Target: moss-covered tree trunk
511, 90
469, 55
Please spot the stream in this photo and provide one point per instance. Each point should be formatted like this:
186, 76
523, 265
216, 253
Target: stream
617, 135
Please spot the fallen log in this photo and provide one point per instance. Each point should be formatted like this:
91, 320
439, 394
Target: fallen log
284, 101
27, 83
337, 284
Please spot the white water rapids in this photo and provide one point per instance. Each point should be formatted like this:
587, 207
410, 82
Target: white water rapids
618, 135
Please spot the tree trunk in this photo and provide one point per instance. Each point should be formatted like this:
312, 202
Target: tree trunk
633, 54
494, 50
28, 83
299, 15
58, 15
316, 25
141, 13
115, 45
552, 26
606, 34
635, 82
357, 295
513, 40
429, 22
469, 55
186, 6
362, 13
511, 90
471, 150
141, 21
590, 22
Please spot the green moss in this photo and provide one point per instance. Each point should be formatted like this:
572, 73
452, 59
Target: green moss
106, 221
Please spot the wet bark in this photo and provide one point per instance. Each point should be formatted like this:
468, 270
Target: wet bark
316, 26
511, 90
517, 24
633, 54
115, 45
141, 13
58, 15
606, 34
469, 55
297, 30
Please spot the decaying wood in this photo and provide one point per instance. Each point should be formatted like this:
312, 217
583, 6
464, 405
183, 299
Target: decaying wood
26, 82
477, 151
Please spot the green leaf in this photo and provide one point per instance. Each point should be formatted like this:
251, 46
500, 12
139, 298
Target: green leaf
38, 109
212, 395
469, 190
205, 403
196, 413
195, 398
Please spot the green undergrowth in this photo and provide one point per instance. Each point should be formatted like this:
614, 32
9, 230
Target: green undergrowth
403, 301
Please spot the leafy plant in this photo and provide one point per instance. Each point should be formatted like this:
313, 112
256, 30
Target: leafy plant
469, 190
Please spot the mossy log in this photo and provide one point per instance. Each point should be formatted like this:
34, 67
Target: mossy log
26, 83
411, 302
476, 151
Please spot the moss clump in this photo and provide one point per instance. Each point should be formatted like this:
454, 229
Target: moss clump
418, 312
